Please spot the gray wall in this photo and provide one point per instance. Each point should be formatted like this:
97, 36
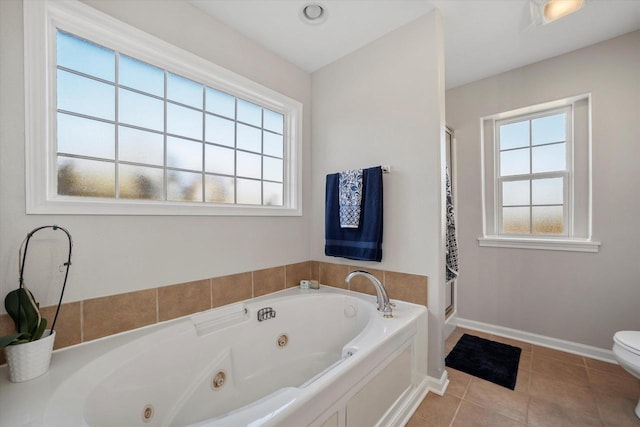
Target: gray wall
579, 297
116, 254
384, 105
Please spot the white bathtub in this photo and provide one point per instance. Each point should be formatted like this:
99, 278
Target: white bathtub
318, 358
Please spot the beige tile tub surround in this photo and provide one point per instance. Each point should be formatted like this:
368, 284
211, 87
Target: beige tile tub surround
118, 313
183, 299
229, 289
99, 317
268, 280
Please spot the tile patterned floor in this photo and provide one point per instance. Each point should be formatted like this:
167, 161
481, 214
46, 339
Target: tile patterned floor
554, 389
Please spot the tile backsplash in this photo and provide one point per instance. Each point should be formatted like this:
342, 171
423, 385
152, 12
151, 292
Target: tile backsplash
99, 317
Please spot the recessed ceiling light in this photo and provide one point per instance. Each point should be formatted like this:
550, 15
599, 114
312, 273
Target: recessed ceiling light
313, 13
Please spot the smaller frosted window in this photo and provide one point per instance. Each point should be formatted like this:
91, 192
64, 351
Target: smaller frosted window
184, 153
139, 146
515, 193
549, 158
514, 135
249, 165
219, 189
549, 129
514, 162
515, 220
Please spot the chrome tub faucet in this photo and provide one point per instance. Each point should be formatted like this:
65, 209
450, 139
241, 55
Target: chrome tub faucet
384, 305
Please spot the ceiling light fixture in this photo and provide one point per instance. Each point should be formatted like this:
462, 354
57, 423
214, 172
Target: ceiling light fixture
546, 11
556, 9
313, 13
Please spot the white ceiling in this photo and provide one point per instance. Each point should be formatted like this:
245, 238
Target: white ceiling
482, 37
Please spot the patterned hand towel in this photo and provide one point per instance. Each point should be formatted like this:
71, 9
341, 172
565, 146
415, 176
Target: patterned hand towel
350, 196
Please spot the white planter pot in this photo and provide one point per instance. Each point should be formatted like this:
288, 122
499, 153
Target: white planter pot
30, 360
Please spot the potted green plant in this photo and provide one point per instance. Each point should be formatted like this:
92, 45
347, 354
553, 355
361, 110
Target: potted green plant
28, 350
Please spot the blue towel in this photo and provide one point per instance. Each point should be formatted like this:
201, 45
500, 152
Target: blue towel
363, 243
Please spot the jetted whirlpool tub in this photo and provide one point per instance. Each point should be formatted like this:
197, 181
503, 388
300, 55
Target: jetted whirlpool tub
293, 358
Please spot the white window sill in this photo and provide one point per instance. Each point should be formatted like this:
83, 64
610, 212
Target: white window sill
572, 245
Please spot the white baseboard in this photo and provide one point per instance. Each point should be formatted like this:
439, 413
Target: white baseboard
438, 385
541, 340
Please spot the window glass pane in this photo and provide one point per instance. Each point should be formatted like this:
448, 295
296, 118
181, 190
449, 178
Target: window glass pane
86, 57
218, 189
85, 137
184, 121
184, 91
248, 192
85, 96
548, 129
138, 182
141, 110
547, 191
221, 103
273, 121
272, 169
86, 178
249, 165
184, 186
515, 193
249, 113
141, 76
272, 194
548, 220
549, 158
515, 220
140, 146
184, 154
514, 135
219, 130
273, 145
249, 138
219, 160
514, 162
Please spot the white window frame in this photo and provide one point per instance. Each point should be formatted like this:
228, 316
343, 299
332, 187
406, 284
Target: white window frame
574, 240
42, 19
567, 174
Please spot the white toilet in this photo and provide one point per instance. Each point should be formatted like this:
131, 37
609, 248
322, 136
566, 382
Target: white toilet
626, 350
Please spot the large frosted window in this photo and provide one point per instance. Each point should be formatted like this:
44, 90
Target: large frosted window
533, 173
130, 130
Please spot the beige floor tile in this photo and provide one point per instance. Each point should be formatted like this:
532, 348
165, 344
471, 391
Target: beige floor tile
557, 354
525, 361
571, 396
617, 411
557, 370
612, 368
472, 415
522, 381
458, 382
436, 411
623, 385
510, 403
543, 413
